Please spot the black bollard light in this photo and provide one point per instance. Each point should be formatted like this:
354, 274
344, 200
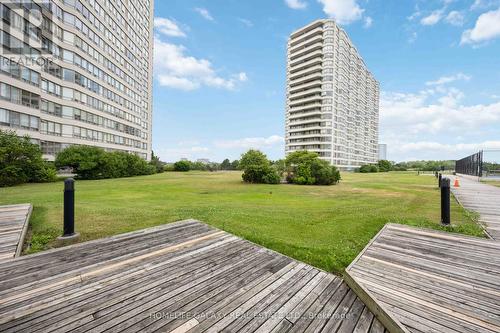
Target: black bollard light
445, 201
69, 210
440, 179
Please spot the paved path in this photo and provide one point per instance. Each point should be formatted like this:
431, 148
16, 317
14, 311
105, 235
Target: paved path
13, 225
180, 277
432, 281
481, 198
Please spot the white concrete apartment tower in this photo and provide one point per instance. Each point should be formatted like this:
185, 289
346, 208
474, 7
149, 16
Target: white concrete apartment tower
332, 100
78, 72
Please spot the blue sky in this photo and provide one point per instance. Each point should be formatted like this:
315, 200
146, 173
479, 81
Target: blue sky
220, 72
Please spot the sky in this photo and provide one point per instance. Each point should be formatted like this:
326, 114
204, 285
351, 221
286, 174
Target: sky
220, 72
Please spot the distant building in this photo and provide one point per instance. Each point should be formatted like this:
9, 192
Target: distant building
203, 160
332, 99
382, 151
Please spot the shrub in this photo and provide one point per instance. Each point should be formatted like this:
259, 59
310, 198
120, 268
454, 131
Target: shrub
306, 168
182, 166
169, 167
156, 163
368, 168
21, 161
385, 166
257, 168
95, 163
324, 173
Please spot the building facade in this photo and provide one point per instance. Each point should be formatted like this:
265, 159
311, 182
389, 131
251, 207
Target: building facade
382, 151
78, 72
332, 100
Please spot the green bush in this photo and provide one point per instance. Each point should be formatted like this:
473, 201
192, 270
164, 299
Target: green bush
156, 163
182, 166
306, 168
324, 173
95, 163
21, 161
169, 167
385, 166
368, 168
257, 168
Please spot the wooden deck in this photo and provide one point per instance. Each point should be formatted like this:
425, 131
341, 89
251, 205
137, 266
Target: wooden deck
13, 225
432, 281
483, 199
184, 276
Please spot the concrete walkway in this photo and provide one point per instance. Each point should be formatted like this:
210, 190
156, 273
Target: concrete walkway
481, 198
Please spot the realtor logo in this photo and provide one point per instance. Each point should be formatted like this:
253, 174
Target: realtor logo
26, 28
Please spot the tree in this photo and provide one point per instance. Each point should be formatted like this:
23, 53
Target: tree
384, 166
257, 168
226, 165
86, 161
182, 166
156, 163
251, 158
306, 168
235, 165
21, 161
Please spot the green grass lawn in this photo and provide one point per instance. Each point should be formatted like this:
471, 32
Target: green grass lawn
492, 182
326, 226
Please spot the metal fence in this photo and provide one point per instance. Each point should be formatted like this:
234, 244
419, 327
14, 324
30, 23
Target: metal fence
471, 165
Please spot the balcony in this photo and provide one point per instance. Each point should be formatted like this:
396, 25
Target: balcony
299, 38
307, 56
305, 64
318, 37
305, 51
305, 72
298, 88
304, 79
305, 107
300, 101
298, 94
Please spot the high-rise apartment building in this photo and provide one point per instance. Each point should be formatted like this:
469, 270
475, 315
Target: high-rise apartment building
78, 72
332, 100
382, 151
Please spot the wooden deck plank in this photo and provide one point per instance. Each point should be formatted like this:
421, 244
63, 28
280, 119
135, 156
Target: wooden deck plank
219, 282
433, 281
14, 221
481, 198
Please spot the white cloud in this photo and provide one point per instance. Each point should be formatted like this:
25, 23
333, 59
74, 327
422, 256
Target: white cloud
430, 121
368, 22
247, 143
246, 22
487, 27
182, 151
448, 79
455, 18
433, 18
296, 4
243, 77
177, 70
483, 4
168, 27
204, 13
413, 37
343, 11
440, 151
